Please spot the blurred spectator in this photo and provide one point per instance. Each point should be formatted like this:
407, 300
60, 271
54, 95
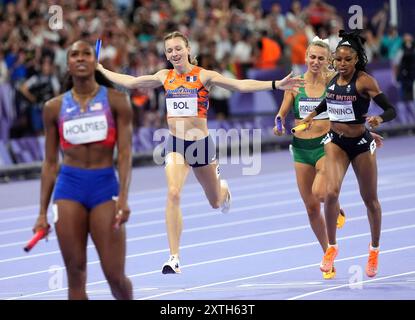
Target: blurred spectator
334, 27
134, 29
373, 30
405, 72
16, 63
294, 16
371, 45
390, 44
298, 43
296, 11
4, 73
219, 97
269, 53
38, 89
241, 55
7, 113
319, 13
280, 19
180, 7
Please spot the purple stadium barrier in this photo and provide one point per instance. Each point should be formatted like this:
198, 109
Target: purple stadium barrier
5, 159
26, 150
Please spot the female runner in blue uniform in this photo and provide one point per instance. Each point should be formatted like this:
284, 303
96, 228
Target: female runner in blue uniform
88, 121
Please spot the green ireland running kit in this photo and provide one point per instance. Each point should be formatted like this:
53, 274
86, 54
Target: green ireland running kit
307, 151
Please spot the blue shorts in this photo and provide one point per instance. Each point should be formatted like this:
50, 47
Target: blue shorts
89, 187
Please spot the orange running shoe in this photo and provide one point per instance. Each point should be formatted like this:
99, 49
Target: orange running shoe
328, 259
372, 263
341, 219
330, 275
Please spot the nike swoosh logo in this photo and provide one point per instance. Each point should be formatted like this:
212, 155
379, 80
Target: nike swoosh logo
70, 109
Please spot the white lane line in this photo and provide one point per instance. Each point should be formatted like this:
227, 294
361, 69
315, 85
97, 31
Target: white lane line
230, 224
152, 236
271, 273
273, 185
237, 257
266, 176
351, 284
274, 192
246, 179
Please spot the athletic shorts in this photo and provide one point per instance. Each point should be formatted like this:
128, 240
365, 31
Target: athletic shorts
89, 187
197, 153
307, 151
352, 146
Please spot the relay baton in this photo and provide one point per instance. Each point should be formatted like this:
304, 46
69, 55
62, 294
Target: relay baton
38, 236
278, 123
300, 127
98, 45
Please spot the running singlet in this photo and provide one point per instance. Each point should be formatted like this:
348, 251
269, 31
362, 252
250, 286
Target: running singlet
344, 103
304, 105
95, 125
185, 94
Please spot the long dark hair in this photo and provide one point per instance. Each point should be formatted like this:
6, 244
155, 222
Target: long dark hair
355, 41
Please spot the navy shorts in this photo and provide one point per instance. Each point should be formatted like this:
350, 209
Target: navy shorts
89, 187
197, 153
352, 146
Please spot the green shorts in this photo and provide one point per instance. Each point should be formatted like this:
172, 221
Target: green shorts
307, 151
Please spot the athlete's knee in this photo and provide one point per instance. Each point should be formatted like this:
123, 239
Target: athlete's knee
319, 194
121, 286
76, 272
313, 211
174, 195
372, 205
332, 194
116, 280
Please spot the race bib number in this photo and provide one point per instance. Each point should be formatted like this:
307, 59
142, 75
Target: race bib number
86, 130
182, 107
307, 105
341, 111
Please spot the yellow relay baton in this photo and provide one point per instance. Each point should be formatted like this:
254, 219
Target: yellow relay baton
300, 127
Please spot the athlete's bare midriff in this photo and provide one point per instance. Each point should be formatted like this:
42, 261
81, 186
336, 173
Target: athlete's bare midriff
91, 156
317, 129
348, 130
189, 128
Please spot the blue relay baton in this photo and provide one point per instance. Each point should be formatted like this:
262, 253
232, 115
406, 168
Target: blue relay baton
278, 123
98, 45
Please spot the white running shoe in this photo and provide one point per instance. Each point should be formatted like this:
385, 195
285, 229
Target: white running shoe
171, 266
226, 205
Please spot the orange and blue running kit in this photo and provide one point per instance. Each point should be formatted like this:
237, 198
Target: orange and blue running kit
186, 96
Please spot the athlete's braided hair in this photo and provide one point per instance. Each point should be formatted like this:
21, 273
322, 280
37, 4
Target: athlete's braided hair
355, 41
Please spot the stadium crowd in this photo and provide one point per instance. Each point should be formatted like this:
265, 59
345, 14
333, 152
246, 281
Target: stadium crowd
230, 36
